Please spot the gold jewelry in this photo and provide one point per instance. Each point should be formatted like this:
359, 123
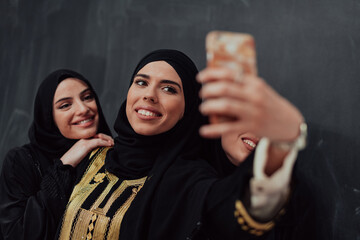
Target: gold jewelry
247, 223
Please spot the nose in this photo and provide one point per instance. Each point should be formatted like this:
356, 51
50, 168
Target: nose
150, 95
82, 108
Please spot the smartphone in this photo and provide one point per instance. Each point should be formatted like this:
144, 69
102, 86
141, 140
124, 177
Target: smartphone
231, 50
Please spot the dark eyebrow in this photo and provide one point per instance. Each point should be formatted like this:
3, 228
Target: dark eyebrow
162, 81
67, 98
170, 82
142, 75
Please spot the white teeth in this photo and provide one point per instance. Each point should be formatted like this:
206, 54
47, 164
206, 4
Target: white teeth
85, 121
146, 113
249, 142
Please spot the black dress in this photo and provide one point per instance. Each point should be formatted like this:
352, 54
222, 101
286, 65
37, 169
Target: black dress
31, 201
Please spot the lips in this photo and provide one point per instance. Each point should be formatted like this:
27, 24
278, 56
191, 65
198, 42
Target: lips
85, 122
148, 112
249, 143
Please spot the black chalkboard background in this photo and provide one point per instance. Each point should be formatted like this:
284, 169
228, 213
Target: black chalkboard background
308, 50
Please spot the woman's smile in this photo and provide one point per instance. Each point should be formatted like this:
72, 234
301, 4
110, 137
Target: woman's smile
148, 113
85, 122
249, 143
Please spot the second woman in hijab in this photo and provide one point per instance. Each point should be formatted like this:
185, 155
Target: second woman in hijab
37, 178
152, 185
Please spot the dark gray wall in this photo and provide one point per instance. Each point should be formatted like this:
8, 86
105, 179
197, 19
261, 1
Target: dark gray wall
308, 50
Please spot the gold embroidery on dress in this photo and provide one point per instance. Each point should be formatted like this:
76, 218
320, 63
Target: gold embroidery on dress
95, 207
95, 165
93, 152
115, 225
81, 192
99, 177
81, 223
102, 223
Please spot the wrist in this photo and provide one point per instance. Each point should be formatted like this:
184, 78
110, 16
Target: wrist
299, 143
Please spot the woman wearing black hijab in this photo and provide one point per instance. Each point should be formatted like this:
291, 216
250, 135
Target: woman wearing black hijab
37, 178
152, 185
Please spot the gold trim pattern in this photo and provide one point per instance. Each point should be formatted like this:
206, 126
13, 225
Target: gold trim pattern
247, 223
95, 207
115, 224
97, 161
79, 223
82, 191
102, 223
82, 228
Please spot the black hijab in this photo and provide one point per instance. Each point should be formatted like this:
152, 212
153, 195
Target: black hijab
46, 141
169, 204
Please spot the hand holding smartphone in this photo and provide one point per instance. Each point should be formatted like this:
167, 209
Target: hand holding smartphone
231, 50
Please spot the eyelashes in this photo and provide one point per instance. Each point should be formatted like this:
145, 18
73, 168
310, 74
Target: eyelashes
66, 104
140, 82
170, 89
88, 97
167, 88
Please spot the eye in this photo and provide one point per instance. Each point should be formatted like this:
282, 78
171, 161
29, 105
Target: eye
140, 82
64, 106
88, 97
170, 89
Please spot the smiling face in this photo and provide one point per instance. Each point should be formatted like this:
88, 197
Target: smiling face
74, 109
238, 146
155, 100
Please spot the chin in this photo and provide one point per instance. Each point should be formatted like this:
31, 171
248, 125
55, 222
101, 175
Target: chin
86, 134
145, 132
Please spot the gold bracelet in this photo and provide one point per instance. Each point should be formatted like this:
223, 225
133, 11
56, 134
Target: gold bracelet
248, 224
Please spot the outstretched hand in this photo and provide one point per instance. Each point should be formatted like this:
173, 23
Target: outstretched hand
82, 147
251, 102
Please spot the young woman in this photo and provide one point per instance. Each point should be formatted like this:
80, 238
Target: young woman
152, 185
37, 178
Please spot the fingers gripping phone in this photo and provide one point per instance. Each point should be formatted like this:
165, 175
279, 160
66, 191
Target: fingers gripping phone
231, 50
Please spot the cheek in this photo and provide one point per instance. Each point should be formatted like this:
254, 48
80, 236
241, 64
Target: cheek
176, 107
129, 100
61, 121
229, 141
93, 106
95, 109
127, 109
176, 110
58, 119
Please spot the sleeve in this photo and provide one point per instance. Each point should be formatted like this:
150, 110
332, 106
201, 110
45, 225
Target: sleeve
269, 194
226, 211
30, 206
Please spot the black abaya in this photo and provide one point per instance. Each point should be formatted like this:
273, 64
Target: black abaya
34, 184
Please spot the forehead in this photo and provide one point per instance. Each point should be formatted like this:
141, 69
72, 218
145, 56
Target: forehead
69, 86
160, 70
